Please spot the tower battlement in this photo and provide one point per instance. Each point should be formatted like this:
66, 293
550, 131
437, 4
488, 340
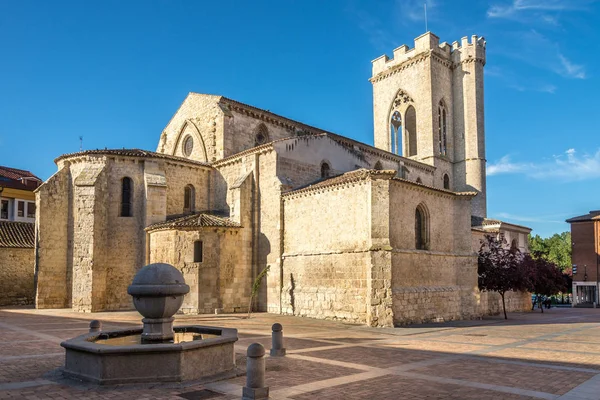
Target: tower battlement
429, 43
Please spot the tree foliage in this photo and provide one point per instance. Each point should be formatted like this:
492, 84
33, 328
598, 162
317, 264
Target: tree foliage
544, 278
499, 268
256, 287
556, 249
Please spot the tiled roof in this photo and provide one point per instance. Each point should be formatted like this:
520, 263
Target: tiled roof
592, 215
348, 177
492, 225
131, 153
197, 220
16, 174
361, 174
17, 234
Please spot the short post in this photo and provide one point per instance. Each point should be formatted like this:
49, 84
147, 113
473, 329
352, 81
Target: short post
277, 349
95, 326
255, 374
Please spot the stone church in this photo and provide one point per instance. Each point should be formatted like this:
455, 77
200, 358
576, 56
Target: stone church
383, 235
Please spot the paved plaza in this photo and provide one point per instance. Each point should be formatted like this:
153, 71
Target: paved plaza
555, 355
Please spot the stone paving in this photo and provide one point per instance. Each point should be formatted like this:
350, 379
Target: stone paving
555, 355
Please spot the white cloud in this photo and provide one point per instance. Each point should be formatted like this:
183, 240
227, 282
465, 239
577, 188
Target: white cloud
567, 167
415, 10
571, 70
516, 8
556, 218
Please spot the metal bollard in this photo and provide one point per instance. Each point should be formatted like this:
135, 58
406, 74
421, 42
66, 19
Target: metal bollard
255, 374
277, 349
95, 326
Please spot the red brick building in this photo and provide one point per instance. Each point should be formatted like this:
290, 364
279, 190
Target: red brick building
585, 242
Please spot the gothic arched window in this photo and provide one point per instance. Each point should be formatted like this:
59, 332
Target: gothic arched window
421, 228
411, 131
325, 169
189, 196
442, 129
262, 135
395, 128
378, 166
126, 197
446, 181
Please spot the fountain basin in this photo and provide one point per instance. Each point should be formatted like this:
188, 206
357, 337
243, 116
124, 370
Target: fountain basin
92, 358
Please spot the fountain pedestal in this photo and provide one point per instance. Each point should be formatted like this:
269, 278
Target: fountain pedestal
157, 352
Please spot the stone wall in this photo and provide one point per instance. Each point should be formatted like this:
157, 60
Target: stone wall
16, 276
221, 281
326, 254
52, 254
200, 117
440, 283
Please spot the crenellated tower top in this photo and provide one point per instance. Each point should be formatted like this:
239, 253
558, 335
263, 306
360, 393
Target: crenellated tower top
429, 44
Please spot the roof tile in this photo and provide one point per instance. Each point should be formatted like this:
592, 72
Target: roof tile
17, 234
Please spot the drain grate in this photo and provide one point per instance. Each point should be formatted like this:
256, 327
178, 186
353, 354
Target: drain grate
204, 394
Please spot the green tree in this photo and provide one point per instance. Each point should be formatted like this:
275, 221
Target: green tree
556, 249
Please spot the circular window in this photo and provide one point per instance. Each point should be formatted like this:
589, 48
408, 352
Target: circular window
188, 146
261, 138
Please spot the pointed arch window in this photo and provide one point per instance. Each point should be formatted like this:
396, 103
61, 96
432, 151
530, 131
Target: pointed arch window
189, 197
410, 135
262, 135
378, 166
126, 197
395, 130
442, 129
421, 228
446, 181
325, 170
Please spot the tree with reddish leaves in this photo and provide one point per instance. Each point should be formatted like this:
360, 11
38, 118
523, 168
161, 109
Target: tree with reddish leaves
544, 278
500, 268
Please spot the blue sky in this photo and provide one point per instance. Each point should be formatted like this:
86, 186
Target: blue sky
115, 71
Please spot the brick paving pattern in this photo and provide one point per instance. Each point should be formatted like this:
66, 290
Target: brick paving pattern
531, 356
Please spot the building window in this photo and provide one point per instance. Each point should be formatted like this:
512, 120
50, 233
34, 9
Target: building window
189, 197
378, 166
411, 131
446, 181
20, 209
442, 129
4, 209
514, 246
30, 210
419, 180
421, 228
395, 130
262, 135
188, 146
325, 170
198, 251
126, 197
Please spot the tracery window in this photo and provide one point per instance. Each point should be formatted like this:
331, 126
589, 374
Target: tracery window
421, 228
188, 146
189, 194
442, 129
126, 197
378, 166
446, 181
262, 135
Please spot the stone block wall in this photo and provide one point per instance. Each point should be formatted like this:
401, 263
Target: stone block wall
221, 281
52, 254
326, 258
16, 276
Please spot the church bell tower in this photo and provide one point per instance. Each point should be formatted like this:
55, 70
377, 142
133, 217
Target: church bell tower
428, 106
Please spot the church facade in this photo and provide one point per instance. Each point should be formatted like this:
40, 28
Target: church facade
382, 235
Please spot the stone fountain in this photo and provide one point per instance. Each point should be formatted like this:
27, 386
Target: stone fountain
157, 352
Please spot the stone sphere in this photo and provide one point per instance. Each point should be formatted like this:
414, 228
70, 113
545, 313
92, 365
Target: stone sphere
158, 290
255, 350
